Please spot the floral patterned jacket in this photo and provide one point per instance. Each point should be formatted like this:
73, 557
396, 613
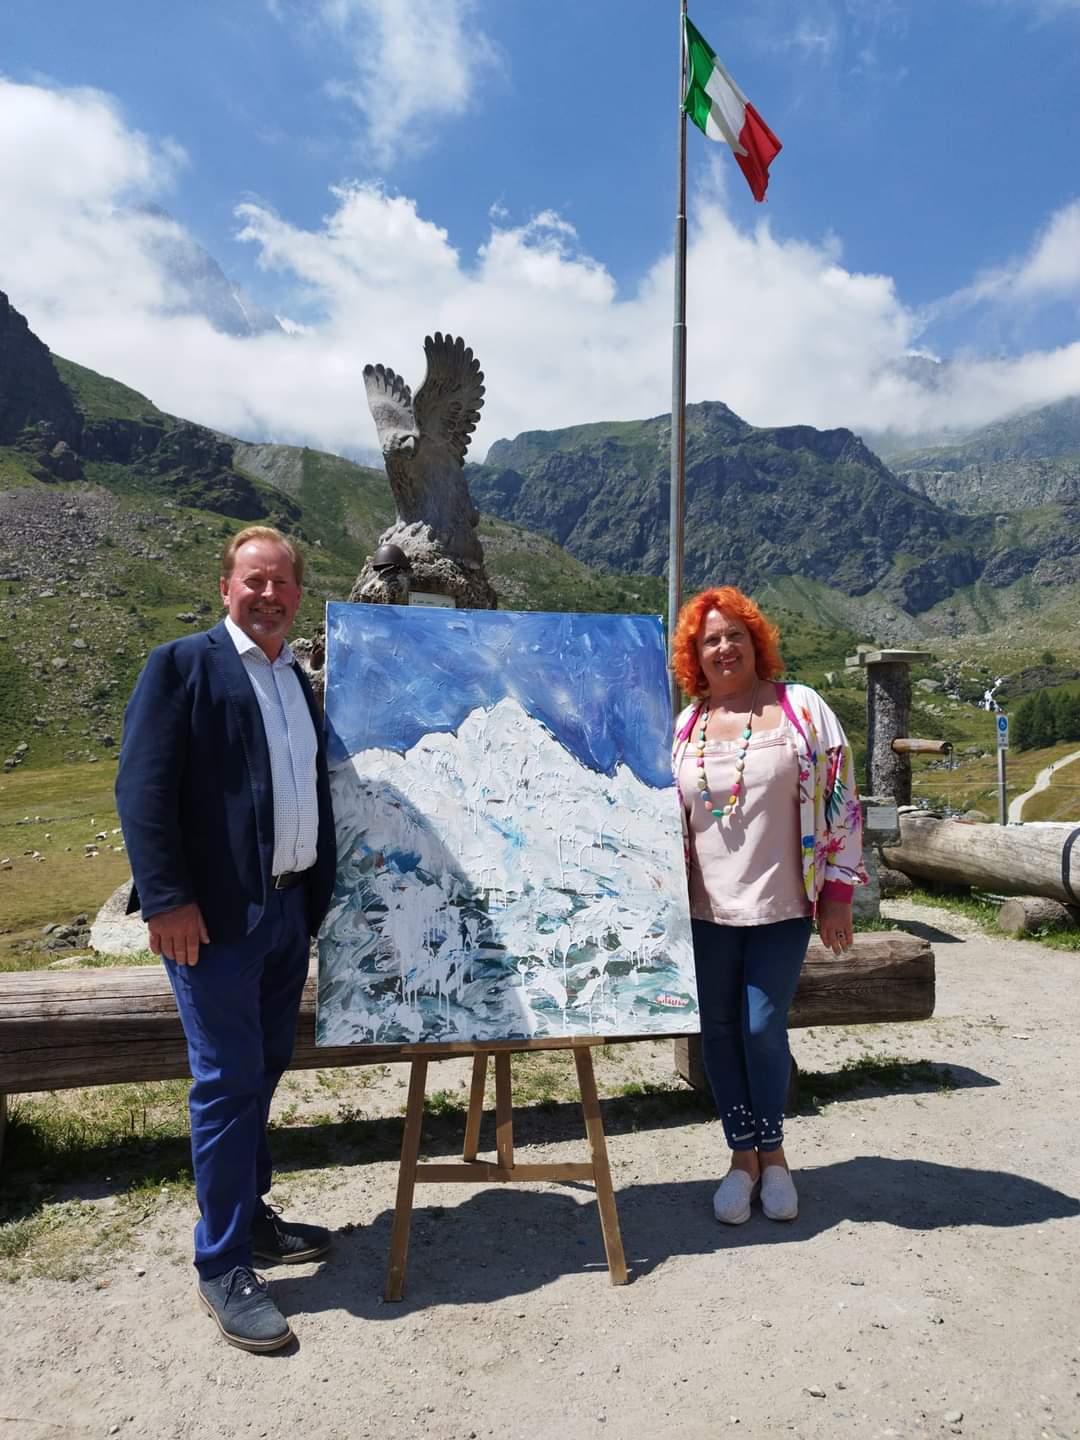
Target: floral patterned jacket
830, 814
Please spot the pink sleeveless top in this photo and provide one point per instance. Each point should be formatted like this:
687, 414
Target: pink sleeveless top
746, 868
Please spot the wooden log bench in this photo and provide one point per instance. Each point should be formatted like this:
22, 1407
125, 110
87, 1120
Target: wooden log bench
60, 1030
885, 977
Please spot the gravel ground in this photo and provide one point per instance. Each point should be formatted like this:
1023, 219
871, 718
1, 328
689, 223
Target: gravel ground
928, 1287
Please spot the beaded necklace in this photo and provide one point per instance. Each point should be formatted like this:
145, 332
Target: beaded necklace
740, 761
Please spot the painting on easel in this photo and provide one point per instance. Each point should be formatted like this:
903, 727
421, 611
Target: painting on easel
509, 849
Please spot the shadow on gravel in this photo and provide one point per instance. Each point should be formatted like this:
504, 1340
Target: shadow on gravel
871, 1076
37, 1170
508, 1241
929, 932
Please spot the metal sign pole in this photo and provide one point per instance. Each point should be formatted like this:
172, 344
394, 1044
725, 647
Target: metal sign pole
1003, 812
1001, 724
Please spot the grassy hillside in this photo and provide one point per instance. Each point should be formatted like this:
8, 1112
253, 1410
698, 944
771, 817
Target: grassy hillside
101, 398
1061, 800
48, 818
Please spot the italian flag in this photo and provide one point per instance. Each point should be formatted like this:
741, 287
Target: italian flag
720, 109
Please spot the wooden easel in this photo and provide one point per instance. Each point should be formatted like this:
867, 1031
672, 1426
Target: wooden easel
472, 1171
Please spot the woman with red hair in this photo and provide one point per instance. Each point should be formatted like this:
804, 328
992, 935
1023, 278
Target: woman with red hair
773, 836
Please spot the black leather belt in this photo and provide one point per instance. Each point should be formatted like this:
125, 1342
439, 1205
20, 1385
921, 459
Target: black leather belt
289, 879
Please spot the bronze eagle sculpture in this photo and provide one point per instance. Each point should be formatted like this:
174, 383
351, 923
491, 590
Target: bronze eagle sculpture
423, 441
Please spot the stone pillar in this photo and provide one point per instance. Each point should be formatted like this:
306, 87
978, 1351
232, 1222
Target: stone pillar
888, 708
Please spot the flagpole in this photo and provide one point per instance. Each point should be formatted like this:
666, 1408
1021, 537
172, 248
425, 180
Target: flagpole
678, 377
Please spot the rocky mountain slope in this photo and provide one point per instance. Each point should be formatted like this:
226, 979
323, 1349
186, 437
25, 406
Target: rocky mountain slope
788, 509
1030, 460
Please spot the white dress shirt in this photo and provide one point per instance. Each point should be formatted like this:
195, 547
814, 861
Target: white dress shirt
290, 738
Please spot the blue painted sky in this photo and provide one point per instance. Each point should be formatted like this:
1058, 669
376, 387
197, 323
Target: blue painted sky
369, 170
598, 683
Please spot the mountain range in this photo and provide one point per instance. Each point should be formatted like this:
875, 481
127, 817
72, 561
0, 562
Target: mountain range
811, 515
113, 513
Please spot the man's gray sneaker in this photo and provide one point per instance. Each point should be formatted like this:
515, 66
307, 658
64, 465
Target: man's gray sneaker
282, 1242
245, 1314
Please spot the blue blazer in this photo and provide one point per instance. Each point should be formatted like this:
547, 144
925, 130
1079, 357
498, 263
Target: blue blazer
194, 791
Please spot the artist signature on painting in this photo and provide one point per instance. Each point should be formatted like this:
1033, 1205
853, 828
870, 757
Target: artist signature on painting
671, 1002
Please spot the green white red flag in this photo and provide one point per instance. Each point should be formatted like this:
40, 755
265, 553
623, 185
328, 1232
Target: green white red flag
722, 112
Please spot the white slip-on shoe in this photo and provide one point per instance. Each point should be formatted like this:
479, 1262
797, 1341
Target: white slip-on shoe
731, 1203
779, 1198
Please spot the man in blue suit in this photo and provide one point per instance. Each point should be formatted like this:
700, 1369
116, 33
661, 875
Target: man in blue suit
224, 799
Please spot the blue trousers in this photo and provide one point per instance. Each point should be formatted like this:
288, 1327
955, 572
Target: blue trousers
238, 1006
746, 981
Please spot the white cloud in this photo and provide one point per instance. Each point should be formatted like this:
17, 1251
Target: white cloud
413, 65
1053, 266
780, 329
816, 40
1049, 271
67, 183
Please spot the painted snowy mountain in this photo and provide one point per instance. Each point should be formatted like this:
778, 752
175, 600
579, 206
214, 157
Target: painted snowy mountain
491, 886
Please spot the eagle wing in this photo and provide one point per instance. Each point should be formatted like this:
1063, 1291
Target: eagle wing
448, 402
390, 402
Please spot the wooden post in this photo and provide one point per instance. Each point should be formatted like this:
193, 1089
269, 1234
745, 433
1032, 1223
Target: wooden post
888, 706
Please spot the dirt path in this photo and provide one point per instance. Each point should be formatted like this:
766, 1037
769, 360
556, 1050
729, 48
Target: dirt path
928, 1287
1042, 781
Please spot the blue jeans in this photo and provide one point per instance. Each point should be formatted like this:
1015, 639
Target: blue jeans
746, 981
238, 1006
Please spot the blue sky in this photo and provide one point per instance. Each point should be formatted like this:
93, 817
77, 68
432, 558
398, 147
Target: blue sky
598, 683
370, 170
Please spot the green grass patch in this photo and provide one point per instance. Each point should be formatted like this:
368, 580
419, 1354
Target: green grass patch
1055, 939
115, 962
14, 469
444, 1102
60, 1133
541, 1077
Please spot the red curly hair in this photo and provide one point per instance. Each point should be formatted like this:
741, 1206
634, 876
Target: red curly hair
766, 637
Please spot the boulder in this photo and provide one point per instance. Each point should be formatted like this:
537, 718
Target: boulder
114, 932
